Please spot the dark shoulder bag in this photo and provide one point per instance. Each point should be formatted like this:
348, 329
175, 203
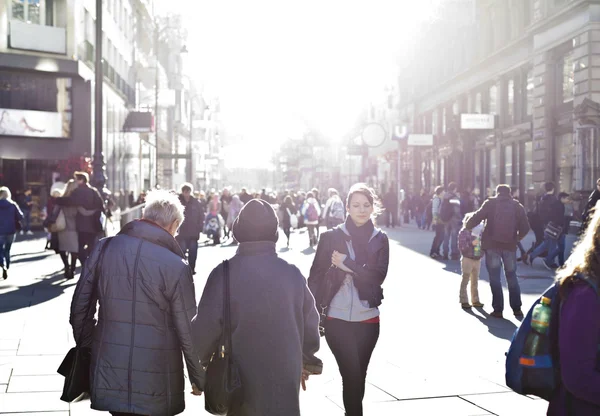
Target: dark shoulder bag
76, 365
223, 391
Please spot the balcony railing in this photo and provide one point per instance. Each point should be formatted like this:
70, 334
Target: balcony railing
33, 37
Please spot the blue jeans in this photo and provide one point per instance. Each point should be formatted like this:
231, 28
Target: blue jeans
550, 245
26, 220
6, 241
190, 244
558, 251
451, 238
494, 259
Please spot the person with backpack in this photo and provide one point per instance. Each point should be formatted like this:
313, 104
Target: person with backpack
451, 216
349, 268
469, 244
506, 225
335, 213
578, 335
438, 225
311, 212
552, 217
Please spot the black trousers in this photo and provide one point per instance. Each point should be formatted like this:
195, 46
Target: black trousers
438, 239
87, 241
352, 344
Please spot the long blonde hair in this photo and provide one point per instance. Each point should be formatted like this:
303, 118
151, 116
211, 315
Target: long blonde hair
70, 186
585, 258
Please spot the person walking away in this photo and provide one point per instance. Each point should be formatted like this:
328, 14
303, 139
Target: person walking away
89, 206
26, 207
52, 238
406, 206
506, 225
552, 214
349, 268
469, 244
390, 203
560, 247
269, 297
245, 197
591, 203
288, 208
225, 201
235, 207
192, 226
427, 213
438, 226
311, 212
334, 210
10, 220
68, 241
579, 328
418, 208
451, 215
146, 299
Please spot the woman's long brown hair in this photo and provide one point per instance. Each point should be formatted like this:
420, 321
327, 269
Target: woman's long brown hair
585, 258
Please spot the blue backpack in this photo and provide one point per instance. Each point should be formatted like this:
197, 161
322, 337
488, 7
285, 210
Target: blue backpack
538, 375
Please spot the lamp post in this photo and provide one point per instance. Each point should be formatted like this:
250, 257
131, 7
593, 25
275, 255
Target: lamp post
99, 168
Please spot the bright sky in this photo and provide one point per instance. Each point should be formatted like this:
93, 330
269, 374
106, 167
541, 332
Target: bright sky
280, 65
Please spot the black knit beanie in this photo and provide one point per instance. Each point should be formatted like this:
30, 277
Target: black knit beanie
257, 222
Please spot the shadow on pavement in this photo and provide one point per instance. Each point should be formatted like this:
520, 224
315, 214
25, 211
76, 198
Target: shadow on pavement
500, 328
22, 259
36, 293
308, 251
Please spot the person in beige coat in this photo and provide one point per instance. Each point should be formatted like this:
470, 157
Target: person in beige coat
67, 238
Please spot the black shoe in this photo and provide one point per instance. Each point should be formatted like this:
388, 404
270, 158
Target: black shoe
4, 273
69, 274
518, 313
496, 314
434, 256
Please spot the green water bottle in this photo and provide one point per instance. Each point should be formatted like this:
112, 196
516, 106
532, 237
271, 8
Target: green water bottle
477, 249
540, 322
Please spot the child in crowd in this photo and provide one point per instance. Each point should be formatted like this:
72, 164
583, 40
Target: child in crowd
469, 244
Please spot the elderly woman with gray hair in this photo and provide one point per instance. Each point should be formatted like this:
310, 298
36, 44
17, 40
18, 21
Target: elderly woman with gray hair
145, 292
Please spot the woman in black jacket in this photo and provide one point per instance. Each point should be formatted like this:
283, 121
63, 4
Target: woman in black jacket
346, 277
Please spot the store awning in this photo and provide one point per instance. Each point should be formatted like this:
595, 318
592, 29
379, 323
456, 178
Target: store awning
139, 122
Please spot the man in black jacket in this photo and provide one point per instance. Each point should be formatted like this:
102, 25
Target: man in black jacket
550, 210
506, 225
90, 207
190, 230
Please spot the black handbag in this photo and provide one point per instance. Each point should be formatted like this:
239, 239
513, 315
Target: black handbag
553, 231
223, 391
76, 365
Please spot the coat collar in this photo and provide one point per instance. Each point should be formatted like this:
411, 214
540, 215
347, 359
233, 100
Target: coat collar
153, 233
256, 248
347, 233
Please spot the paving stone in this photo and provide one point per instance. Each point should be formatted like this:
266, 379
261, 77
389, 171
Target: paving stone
82, 408
24, 384
36, 365
505, 404
31, 402
447, 406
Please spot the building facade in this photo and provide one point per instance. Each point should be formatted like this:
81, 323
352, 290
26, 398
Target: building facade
531, 64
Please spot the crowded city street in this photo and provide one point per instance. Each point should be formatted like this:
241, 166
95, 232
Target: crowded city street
432, 356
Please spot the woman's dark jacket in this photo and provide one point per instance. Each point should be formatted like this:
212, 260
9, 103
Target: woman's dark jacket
146, 295
9, 215
274, 328
367, 278
89, 205
193, 222
286, 223
579, 341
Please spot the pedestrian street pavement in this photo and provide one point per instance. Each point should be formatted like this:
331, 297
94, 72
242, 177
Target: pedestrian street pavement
432, 357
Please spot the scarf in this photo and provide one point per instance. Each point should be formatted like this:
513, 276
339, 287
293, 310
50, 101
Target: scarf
360, 239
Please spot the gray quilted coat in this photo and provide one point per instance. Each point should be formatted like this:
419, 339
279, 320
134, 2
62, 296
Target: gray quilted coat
274, 328
146, 301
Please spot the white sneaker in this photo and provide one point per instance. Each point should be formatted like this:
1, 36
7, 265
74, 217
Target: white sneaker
22, 232
29, 233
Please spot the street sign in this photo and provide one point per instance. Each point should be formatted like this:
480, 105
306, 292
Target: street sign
477, 121
373, 135
420, 140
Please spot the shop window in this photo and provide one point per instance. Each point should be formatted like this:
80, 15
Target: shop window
510, 103
508, 165
528, 180
493, 100
530, 85
493, 172
566, 162
567, 81
478, 103
27, 11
